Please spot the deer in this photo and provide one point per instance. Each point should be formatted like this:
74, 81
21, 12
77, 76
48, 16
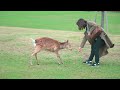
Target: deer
49, 44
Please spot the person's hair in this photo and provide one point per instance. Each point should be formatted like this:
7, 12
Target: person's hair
81, 23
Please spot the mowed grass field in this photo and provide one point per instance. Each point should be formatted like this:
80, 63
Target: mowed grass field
16, 29
56, 20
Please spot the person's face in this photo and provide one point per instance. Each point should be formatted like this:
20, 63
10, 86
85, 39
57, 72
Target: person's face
81, 27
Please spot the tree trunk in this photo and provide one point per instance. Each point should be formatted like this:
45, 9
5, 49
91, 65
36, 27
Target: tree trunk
102, 18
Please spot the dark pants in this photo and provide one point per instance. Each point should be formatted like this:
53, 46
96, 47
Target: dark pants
96, 45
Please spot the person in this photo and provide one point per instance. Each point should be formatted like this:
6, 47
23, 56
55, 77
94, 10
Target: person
99, 45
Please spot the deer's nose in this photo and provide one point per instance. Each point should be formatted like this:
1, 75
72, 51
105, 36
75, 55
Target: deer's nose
70, 49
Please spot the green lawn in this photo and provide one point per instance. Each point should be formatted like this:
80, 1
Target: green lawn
17, 27
16, 48
57, 20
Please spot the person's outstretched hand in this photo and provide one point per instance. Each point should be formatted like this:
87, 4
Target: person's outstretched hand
79, 49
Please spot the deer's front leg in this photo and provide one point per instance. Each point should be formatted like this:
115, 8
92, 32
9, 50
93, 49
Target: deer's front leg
59, 60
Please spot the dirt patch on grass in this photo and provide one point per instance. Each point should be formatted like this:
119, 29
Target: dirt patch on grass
20, 40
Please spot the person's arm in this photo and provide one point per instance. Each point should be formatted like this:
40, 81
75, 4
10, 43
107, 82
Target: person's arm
82, 44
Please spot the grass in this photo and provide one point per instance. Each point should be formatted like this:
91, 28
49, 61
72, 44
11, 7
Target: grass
16, 48
56, 20
17, 27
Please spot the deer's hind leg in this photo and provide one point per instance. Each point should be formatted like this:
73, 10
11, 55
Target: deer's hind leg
36, 50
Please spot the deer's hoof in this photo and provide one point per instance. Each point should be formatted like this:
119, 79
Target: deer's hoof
62, 63
31, 64
58, 63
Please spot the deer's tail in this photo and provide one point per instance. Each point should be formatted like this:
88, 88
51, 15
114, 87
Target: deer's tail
33, 42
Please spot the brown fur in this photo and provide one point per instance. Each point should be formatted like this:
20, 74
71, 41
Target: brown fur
51, 45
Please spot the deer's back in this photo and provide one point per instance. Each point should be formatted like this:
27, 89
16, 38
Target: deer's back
47, 43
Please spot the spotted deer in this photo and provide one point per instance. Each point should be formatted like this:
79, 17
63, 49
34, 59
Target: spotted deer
49, 44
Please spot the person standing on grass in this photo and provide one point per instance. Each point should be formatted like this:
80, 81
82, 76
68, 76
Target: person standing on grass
99, 45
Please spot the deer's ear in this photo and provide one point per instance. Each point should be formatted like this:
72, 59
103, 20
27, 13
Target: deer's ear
67, 40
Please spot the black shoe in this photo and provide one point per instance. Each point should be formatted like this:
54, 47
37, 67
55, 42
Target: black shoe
88, 62
95, 64
85, 61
